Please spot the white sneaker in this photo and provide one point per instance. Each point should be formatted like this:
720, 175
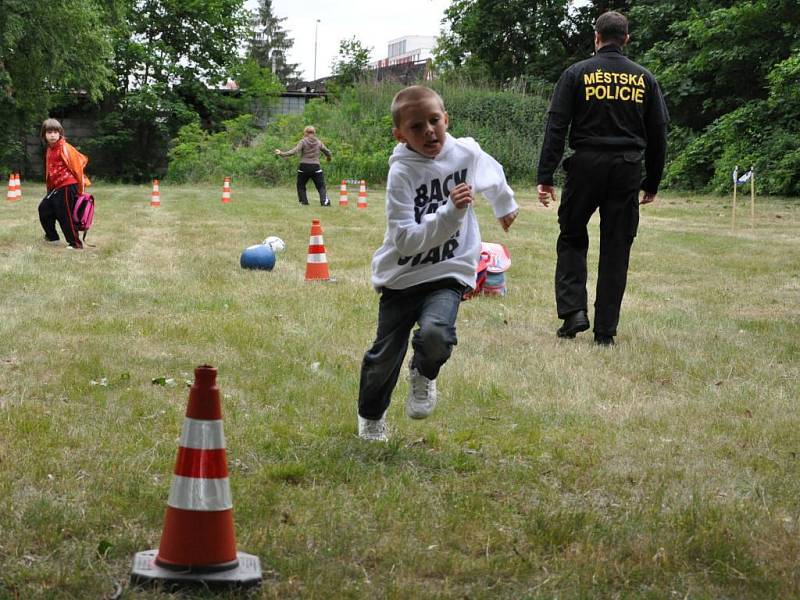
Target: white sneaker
421, 395
373, 430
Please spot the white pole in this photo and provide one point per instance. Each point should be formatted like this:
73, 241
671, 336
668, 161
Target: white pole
735, 185
752, 196
316, 27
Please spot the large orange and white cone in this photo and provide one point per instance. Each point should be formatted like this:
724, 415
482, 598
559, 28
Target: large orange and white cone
343, 200
362, 194
317, 262
155, 195
198, 543
226, 190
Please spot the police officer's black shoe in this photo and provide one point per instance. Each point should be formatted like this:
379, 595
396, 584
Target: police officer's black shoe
574, 323
603, 340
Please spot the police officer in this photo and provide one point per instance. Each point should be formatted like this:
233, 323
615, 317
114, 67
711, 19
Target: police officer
616, 117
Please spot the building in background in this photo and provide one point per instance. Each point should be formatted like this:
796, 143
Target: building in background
409, 61
408, 49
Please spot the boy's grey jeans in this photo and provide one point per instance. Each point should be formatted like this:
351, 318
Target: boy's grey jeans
434, 306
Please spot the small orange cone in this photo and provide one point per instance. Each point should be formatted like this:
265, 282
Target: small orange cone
155, 196
362, 194
226, 190
198, 543
14, 192
317, 262
343, 200
18, 186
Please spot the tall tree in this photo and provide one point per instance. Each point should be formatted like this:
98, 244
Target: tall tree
170, 57
349, 66
506, 39
730, 74
269, 44
168, 41
48, 50
718, 58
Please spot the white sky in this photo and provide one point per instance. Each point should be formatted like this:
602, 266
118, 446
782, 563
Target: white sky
372, 22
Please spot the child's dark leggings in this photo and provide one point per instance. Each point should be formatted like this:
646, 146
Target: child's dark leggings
308, 171
58, 205
434, 306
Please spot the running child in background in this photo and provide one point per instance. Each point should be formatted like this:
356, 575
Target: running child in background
429, 253
309, 148
65, 181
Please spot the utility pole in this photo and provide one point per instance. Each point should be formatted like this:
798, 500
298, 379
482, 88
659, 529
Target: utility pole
316, 27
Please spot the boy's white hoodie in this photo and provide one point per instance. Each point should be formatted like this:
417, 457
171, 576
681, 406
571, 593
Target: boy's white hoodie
427, 238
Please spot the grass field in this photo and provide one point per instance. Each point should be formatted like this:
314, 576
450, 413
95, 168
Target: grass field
665, 467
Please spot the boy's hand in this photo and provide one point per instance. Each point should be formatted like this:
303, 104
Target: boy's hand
461, 195
507, 220
277, 152
546, 193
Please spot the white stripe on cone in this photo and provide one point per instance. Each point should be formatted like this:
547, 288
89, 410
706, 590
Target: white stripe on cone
315, 240
193, 493
203, 435
317, 258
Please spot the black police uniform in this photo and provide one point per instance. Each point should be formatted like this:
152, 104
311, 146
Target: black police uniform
617, 117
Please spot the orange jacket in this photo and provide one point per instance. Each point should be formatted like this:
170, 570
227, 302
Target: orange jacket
75, 162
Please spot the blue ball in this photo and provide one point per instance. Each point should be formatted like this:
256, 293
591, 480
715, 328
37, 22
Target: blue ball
258, 257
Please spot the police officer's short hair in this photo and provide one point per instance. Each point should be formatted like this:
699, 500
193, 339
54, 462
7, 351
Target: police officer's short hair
612, 27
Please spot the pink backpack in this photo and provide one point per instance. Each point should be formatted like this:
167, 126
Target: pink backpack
83, 213
493, 262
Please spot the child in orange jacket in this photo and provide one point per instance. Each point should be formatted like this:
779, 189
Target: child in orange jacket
65, 181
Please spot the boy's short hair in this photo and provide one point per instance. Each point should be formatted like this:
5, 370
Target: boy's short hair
411, 95
612, 27
51, 125
309, 130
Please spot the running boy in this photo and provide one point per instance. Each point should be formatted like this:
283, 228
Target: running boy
429, 253
65, 181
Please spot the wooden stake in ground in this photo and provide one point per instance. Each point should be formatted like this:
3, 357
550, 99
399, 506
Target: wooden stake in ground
752, 196
735, 185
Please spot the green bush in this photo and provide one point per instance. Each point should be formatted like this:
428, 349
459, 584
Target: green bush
757, 135
357, 127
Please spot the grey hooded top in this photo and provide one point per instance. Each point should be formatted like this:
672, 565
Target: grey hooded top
309, 149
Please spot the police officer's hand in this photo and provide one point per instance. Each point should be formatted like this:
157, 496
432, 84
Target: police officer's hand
647, 198
461, 195
507, 220
546, 193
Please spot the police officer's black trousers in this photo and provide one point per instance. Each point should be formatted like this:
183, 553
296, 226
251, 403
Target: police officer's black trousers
609, 181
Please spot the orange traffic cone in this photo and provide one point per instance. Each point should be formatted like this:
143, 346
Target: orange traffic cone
317, 262
14, 188
343, 200
155, 196
362, 194
198, 543
226, 190
18, 186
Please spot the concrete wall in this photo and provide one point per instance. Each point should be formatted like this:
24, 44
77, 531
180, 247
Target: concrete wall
77, 129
